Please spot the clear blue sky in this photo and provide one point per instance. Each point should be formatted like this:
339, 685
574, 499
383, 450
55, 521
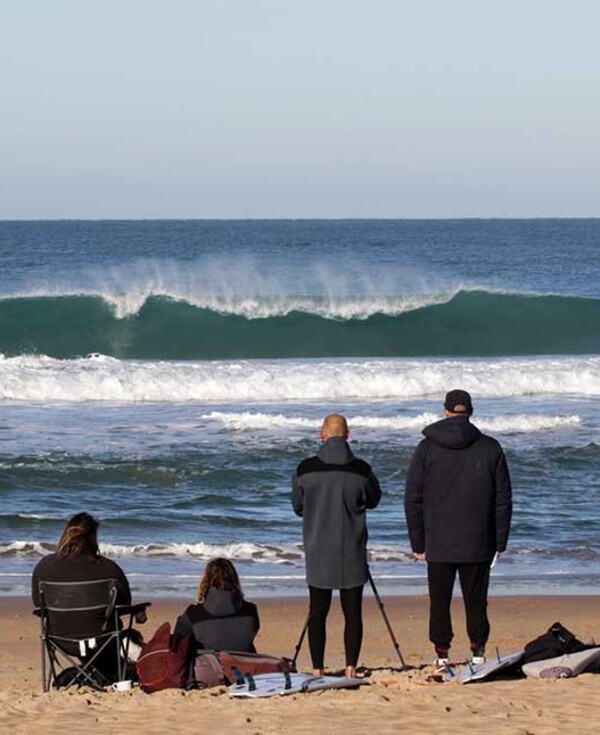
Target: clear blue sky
328, 108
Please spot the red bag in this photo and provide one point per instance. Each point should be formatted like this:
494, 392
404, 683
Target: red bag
164, 661
236, 663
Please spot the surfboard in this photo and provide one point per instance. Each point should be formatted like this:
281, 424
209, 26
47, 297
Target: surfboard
477, 672
570, 664
271, 685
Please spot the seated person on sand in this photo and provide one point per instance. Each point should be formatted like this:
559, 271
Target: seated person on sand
77, 559
221, 620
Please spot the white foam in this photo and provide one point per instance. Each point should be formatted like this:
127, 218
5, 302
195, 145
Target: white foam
292, 554
234, 284
263, 307
40, 379
204, 551
524, 423
26, 548
521, 423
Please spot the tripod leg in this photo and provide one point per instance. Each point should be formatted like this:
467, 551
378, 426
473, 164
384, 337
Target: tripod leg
300, 641
386, 620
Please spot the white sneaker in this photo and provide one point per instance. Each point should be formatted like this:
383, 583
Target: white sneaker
477, 660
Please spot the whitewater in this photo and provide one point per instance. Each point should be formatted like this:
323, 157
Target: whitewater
169, 376
42, 379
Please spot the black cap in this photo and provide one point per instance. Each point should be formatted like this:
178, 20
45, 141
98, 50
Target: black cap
455, 398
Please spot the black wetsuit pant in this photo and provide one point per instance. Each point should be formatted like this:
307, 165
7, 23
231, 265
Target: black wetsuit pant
320, 602
474, 582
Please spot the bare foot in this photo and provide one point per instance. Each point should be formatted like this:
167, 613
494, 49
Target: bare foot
319, 672
350, 672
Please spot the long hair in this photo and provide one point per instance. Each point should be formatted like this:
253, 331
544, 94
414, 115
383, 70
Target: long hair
219, 574
81, 535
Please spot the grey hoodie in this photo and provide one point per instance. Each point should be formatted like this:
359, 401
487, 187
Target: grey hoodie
224, 621
332, 493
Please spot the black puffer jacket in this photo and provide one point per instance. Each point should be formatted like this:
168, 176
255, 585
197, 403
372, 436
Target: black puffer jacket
223, 622
458, 495
332, 493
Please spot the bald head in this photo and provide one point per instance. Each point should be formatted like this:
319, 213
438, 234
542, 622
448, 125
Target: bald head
334, 425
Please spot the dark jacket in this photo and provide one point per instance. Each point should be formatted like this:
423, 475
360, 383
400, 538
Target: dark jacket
458, 495
223, 622
332, 493
77, 567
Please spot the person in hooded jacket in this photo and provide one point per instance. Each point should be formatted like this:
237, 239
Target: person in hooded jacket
221, 620
458, 505
332, 493
78, 559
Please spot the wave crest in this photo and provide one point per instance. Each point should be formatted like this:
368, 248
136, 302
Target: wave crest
464, 323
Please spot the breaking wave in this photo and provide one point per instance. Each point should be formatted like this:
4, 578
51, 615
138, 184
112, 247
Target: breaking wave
249, 552
166, 327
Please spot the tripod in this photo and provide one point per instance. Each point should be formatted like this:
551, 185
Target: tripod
383, 614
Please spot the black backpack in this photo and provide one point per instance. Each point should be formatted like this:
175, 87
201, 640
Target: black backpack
555, 642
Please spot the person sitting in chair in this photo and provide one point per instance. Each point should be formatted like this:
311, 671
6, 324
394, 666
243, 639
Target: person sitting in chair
221, 620
78, 559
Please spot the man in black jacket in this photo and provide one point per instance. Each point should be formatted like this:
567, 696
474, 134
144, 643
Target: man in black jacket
332, 493
458, 509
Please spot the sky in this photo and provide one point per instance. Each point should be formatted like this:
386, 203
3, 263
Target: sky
300, 109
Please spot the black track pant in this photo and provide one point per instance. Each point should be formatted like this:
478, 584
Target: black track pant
320, 602
474, 582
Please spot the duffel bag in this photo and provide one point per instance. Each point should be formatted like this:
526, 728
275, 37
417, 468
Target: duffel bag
237, 664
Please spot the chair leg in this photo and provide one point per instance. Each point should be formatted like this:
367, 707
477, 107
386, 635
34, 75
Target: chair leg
53, 661
44, 677
118, 647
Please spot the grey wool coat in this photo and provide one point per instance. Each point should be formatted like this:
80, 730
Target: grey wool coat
332, 492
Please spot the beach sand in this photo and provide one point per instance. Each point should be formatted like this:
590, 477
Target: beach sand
395, 702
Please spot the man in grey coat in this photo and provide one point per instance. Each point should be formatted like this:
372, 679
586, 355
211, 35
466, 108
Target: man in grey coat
332, 492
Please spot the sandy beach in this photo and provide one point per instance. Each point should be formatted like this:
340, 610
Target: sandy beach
394, 702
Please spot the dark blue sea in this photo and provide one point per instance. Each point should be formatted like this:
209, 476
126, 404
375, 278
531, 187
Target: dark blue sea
168, 376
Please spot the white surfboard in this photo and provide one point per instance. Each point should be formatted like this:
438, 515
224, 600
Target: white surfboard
570, 664
271, 685
477, 672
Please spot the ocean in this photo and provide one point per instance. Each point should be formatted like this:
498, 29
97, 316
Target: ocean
168, 376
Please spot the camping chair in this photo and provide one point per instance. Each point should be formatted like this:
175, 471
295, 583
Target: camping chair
82, 638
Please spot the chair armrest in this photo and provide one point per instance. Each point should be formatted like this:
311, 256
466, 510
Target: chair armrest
132, 609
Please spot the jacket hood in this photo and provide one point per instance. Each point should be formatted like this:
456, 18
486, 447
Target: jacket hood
453, 433
335, 451
222, 602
